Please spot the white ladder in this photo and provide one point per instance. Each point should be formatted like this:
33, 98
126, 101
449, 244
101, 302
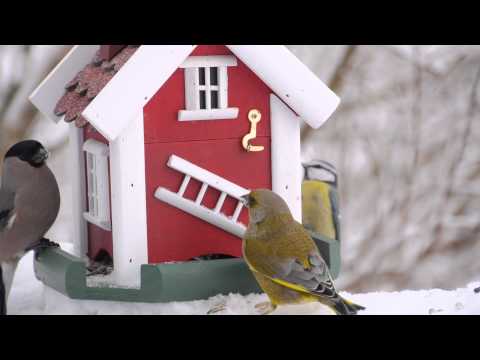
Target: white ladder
195, 208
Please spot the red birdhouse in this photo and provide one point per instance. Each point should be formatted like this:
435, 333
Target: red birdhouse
166, 138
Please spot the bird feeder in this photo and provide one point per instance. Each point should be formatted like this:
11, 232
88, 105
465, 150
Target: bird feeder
164, 140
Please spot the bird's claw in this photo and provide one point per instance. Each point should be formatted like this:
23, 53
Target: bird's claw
265, 308
217, 308
42, 244
45, 243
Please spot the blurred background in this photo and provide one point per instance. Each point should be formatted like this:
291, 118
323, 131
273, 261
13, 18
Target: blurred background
404, 141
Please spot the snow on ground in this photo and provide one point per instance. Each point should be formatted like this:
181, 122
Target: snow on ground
29, 296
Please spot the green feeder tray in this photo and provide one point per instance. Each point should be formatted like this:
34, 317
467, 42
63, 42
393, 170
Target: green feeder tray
186, 281
330, 250
159, 283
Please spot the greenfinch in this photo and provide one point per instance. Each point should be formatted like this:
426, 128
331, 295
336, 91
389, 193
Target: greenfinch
284, 259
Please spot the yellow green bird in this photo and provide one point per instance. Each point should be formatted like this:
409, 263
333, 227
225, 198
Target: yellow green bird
320, 210
284, 259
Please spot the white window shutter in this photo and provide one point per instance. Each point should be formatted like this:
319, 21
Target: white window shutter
92, 206
192, 101
98, 184
103, 188
223, 87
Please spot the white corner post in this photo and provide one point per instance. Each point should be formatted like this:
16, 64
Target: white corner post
286, 160
129, 208
79, 195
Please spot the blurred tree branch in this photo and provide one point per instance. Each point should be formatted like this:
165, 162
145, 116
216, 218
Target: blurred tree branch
336, 82
452, 172
16, 112
402, 141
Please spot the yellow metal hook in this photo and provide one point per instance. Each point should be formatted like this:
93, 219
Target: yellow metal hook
254, 116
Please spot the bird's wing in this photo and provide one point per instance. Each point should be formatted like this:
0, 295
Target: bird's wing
315, 280
7, 202
333, 196
3, 295
296, 265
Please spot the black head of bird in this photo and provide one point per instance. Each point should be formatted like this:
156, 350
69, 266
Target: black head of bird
30, 151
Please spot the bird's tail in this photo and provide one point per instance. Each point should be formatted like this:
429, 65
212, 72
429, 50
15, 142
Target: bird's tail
342, 306
3, 294
7, 272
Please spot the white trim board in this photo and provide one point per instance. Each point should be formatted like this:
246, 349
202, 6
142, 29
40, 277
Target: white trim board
129, 207
210, 114
286, 156
79, 191
209, 61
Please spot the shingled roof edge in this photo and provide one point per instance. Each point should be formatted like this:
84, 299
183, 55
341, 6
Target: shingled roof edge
152, 65
89, 82
134, 85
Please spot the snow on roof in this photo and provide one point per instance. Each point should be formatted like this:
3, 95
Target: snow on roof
144, 70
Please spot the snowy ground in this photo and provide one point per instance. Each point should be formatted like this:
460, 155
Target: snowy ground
29, 296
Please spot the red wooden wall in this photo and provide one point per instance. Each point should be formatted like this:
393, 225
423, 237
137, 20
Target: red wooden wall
215, 145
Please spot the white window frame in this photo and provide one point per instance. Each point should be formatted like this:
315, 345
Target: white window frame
193, 88
98, 189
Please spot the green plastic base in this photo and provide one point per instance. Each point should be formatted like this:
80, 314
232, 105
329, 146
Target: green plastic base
330, 250
187, 281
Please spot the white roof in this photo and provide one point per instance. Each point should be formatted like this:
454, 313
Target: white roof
52, 88
152, 65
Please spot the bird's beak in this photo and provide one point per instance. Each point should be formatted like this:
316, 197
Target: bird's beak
41, 156
46, 154
245, 199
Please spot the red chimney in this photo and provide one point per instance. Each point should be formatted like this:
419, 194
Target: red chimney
107, 52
